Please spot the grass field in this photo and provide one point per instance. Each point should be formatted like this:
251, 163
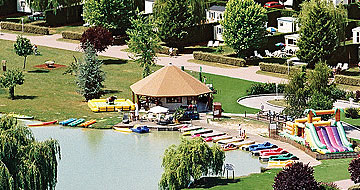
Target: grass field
328, 171
49, 95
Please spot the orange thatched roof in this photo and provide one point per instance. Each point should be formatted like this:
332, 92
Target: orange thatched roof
169, 81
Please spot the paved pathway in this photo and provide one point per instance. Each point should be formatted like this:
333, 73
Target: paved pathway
344, 184
247, 73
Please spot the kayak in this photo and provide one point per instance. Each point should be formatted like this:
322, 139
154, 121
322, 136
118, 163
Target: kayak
77, 122
87, 123
126, 130
42, 124
66, 122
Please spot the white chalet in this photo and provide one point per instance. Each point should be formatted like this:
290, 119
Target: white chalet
291, 43
356, 35
216, 14
149, 5
287, 24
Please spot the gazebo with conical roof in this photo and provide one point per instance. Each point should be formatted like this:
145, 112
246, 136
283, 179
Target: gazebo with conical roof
171, 87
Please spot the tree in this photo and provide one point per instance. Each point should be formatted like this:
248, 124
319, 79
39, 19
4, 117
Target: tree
243, 25
97, 36
89, 77
110, 14
143, 42
354, 170
322, 28
296, 176
296, 94
24, 162
173, 18
42, 5
188, 161
10, 79
23, 47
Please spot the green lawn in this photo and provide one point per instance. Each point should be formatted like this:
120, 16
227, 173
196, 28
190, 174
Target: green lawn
72, 28
50, 95
328, 171
228, 91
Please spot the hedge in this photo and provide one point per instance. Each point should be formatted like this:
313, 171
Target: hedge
27, 28
276, 68
64, 16
218, 58
71, 35
166, 50
342, 79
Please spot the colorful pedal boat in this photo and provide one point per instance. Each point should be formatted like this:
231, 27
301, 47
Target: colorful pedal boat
126, 130
228, 147
260, 152
140, 129
76, 122
66, 122
265, 145
279, 164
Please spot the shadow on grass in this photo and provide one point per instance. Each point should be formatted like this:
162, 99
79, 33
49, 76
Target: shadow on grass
208, 182
114, 61
105, 92
24, 97
39, 71
189, 50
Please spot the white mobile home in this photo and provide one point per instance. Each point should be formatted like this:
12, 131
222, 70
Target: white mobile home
356, 35
149, 5
287, 24
291, 43
22, 6
215, 13
218, 30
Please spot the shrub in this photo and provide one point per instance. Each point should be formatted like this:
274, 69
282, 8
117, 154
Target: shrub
357, 95
97, 36
219, 58
166, 50
349, 95
338, 93
354, 170
265, 88
328, 186
276, 68
296, 176
352, 113
348, 80
27, 28
71, 35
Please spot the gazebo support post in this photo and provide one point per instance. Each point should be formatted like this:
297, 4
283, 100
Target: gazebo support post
133, 97
138, 101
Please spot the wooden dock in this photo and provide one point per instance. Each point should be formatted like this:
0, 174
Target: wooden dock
213, 134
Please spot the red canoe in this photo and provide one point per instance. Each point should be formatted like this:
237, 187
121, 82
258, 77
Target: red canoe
42, 124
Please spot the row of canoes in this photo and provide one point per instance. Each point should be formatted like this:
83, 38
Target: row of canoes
227, 142
73, 122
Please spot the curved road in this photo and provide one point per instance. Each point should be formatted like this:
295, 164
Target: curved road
247, 73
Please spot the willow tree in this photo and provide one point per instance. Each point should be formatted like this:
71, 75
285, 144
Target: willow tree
189, 161
322, 28
24, 162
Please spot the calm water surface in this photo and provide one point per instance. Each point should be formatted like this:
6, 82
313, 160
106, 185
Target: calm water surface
110, 160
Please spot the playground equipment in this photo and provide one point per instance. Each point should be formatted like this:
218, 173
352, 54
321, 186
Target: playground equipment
321, 136
101, 105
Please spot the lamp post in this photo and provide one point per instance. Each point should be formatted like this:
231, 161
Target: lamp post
22, 24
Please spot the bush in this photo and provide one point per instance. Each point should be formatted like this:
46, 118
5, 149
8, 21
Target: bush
276, 68
328, 186
71, 35
338, 93
352, 113
97, 36
166, 50
27, 28
354, 170
265, 88
296, 176
219, 58
349, 95
342, 79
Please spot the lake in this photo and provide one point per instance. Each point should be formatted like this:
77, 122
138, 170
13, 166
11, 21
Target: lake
107, 159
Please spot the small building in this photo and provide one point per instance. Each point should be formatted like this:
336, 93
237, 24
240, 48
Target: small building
22, 6
171, 87
149, 5
291, 43
356, 35
215, 13
287, 24
218, 30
